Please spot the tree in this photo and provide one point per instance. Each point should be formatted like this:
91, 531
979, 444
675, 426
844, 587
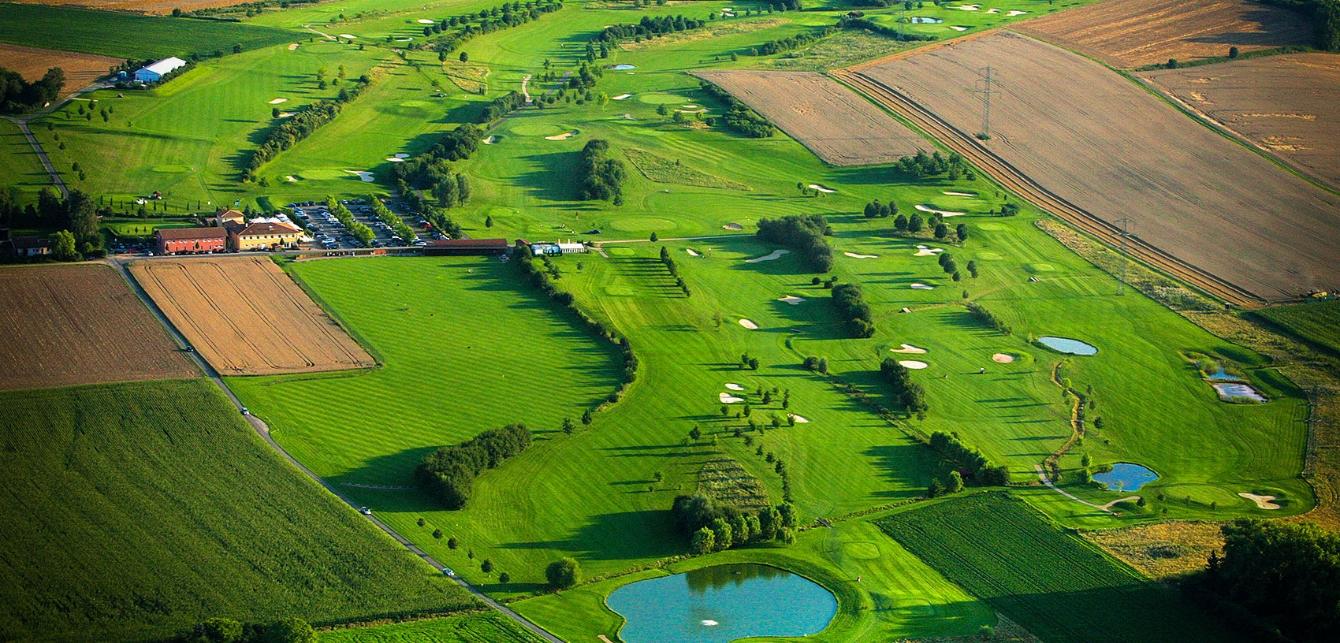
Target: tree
586, 416
941, 231
961, 231
704, 541
972, 269
486, 566
488, 221
563, 573
654, 237
465, 58
695, 433
452, 543
955, 483
915, 224
290, 630
935, 489
1288, 574
63, 246
722, 532
662, 110
217, 630
568, 427
1232, 52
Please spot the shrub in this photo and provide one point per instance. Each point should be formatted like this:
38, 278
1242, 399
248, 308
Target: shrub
563, 573
448, 473
802, 233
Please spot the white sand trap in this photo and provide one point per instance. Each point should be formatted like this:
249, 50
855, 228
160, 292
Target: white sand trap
561, 137
727, 398
490, 140
1015, 12
1002, 358
853, 255
816, 186
908, 348
623, 97
958, 194
734, 387
276, 101
958, 28
943, 213
394, 159
1262, 502
968, 7
425, 21
291, 179
916, 285
748, 324
351, 36
905, 310
627, 116
692, 252
927, 251
993, 10
799, 419
292, 46
404, 39
912, 364
285, 114
732, 226
690, 106
791, 299
365, 177
775, 254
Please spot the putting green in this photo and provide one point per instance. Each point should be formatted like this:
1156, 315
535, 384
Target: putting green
987, 254
326, 174
658, 98
620, 252
642, 224
537, 129
861, 550
1039, 267
991, 226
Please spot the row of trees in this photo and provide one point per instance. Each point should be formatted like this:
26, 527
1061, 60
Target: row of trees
671, 266
502, 106
448, 474
601, 176
877, 210
18, 95
227, 630
428, 182
301, 125
850, 21
910, 395
803, 233
1325, 16
968, 461
984, 315
738, 116
504, 16
711, 526
648, 27
923, 165
397, 224
793, 42
360, 230
852, 308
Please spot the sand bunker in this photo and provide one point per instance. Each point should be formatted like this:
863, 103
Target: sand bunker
285, 114
276, 101
816, 186
927, 251
748, 324
958, 194
958, 28
908, 348
623, 97
727, 398
905, 309
395, 160
292, 46
732, 226
993, 10
912, 364
291, 179
967, 7
561, 137
916, 285
351, 36
365, 177
798, 419
490, 140
1015, 12
734, 387
791, 299
425, 21
943, 213
1262, 502
692, 252
854, 255
1002, 358
775, 254
402, 156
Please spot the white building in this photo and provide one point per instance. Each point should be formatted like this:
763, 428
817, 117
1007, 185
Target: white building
571, 248
155, 72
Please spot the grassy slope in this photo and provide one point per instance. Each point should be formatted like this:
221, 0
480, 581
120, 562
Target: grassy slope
19, 163
1056, 586
135, 510
1317, 323
485, 627
127, 35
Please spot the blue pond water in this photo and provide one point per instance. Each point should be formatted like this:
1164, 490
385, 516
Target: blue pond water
1126, 476
722, 603
921, 20
1068, 346
623, 67
1229, 391
1221, 375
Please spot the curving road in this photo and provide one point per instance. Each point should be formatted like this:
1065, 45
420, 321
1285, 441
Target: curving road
263, 430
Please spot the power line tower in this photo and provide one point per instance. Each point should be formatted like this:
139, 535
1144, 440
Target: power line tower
985, 87
1125, 223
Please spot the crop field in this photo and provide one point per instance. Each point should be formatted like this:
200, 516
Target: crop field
79, 324
1086, 136
487, 627
80, 69
246, 317
839, 125
1289, 105
1057, 586
1132, 33
127, 35
136, 510
158, 7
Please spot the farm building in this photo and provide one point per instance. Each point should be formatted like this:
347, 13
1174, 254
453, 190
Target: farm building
155, 72
30, 246
177, 241
227, 215
262, 235
466, 247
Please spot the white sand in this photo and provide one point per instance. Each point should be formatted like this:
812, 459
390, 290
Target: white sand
490, 140
853, 255
732, 226
689, 106
292, 46
692, 252
1015, 12
748, 324
943, 213
905, 310
816, 186
791, 299
1002, 358
916, 285
927, 251
403, 39
560, 137
775, 254
958, 28
1262, 502
800, 419
285, 114
349, 35
276, 101
727, 398
908, 348
993, 10
402, 155
968, 7
958, 194
734, 387
912, 364
622, 97
395, 160
425, 21
366, 177
291, 179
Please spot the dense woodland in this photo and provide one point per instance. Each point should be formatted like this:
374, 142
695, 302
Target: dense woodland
804, 234
448, 474
601, 177
18, 95
711, 526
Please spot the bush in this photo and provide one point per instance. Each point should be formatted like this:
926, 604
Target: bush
448, 473
909, 394
602, 177
802, 233
563, 573
969, 462
851, 306
987, 317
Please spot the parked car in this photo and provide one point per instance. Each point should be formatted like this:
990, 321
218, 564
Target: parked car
365, 511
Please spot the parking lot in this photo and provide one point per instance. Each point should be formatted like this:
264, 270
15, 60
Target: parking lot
328, 233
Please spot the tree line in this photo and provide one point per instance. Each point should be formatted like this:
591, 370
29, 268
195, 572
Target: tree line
75, 219
968, 461
448, 474
397, 224
648, 27
910, 395
299, 126
922, 165
738, 116
710, 526
601, 177
227, 630
504, 16
792, 42
18, 95
1325, 16
360, 230
850, 21
984, 315
852, 308
673, 268
431, 173
803, 233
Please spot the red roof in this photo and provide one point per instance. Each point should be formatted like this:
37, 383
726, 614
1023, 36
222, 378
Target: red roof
190, 234
483, 244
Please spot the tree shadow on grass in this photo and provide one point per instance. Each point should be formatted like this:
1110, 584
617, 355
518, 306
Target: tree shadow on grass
625, 535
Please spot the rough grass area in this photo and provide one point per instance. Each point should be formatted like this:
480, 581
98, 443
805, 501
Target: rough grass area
471, 78
1164, 549
664, 170
132, 511
128, 35
1317, 323
483, 627
1053, 584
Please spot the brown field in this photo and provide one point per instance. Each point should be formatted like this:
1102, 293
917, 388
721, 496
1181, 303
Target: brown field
64, 325
838, 125
80, 69
159, 7
246, 317
1289, 105
1133, 33
1162, 550
1093, 147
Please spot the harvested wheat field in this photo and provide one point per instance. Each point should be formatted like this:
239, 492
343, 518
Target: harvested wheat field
838, 125
1133, 33
246, 317
1287, 104
158, 7
80, 69
1072, 135
79, 324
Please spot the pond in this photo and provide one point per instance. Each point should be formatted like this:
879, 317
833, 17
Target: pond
723, 603
623, 67
1236, 391
1221, 375
922, 20
1067, 345
1126, 476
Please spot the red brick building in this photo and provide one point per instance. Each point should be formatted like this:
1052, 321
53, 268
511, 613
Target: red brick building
179, 241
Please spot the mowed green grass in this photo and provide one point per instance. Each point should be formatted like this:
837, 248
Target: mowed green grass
132, 511
1316, 322
483, 627
128, 35
1057, 586
19, 164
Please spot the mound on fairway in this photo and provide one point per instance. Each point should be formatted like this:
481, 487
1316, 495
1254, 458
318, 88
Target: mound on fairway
132, 511
1056, 586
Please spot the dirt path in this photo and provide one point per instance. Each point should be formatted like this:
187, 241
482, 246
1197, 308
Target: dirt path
1042, 475
525, 88
1076, 430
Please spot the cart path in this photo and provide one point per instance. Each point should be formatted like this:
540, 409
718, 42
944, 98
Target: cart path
1042, 475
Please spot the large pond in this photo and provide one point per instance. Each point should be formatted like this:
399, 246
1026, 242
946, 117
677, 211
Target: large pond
723, 603
1067, 345
1126, 476
1236, 391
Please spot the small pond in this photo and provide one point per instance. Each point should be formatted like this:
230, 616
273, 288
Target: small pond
623, 67
1231, 391
721, 604
1126, 476
1221, 375
923, 20
1067, 346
